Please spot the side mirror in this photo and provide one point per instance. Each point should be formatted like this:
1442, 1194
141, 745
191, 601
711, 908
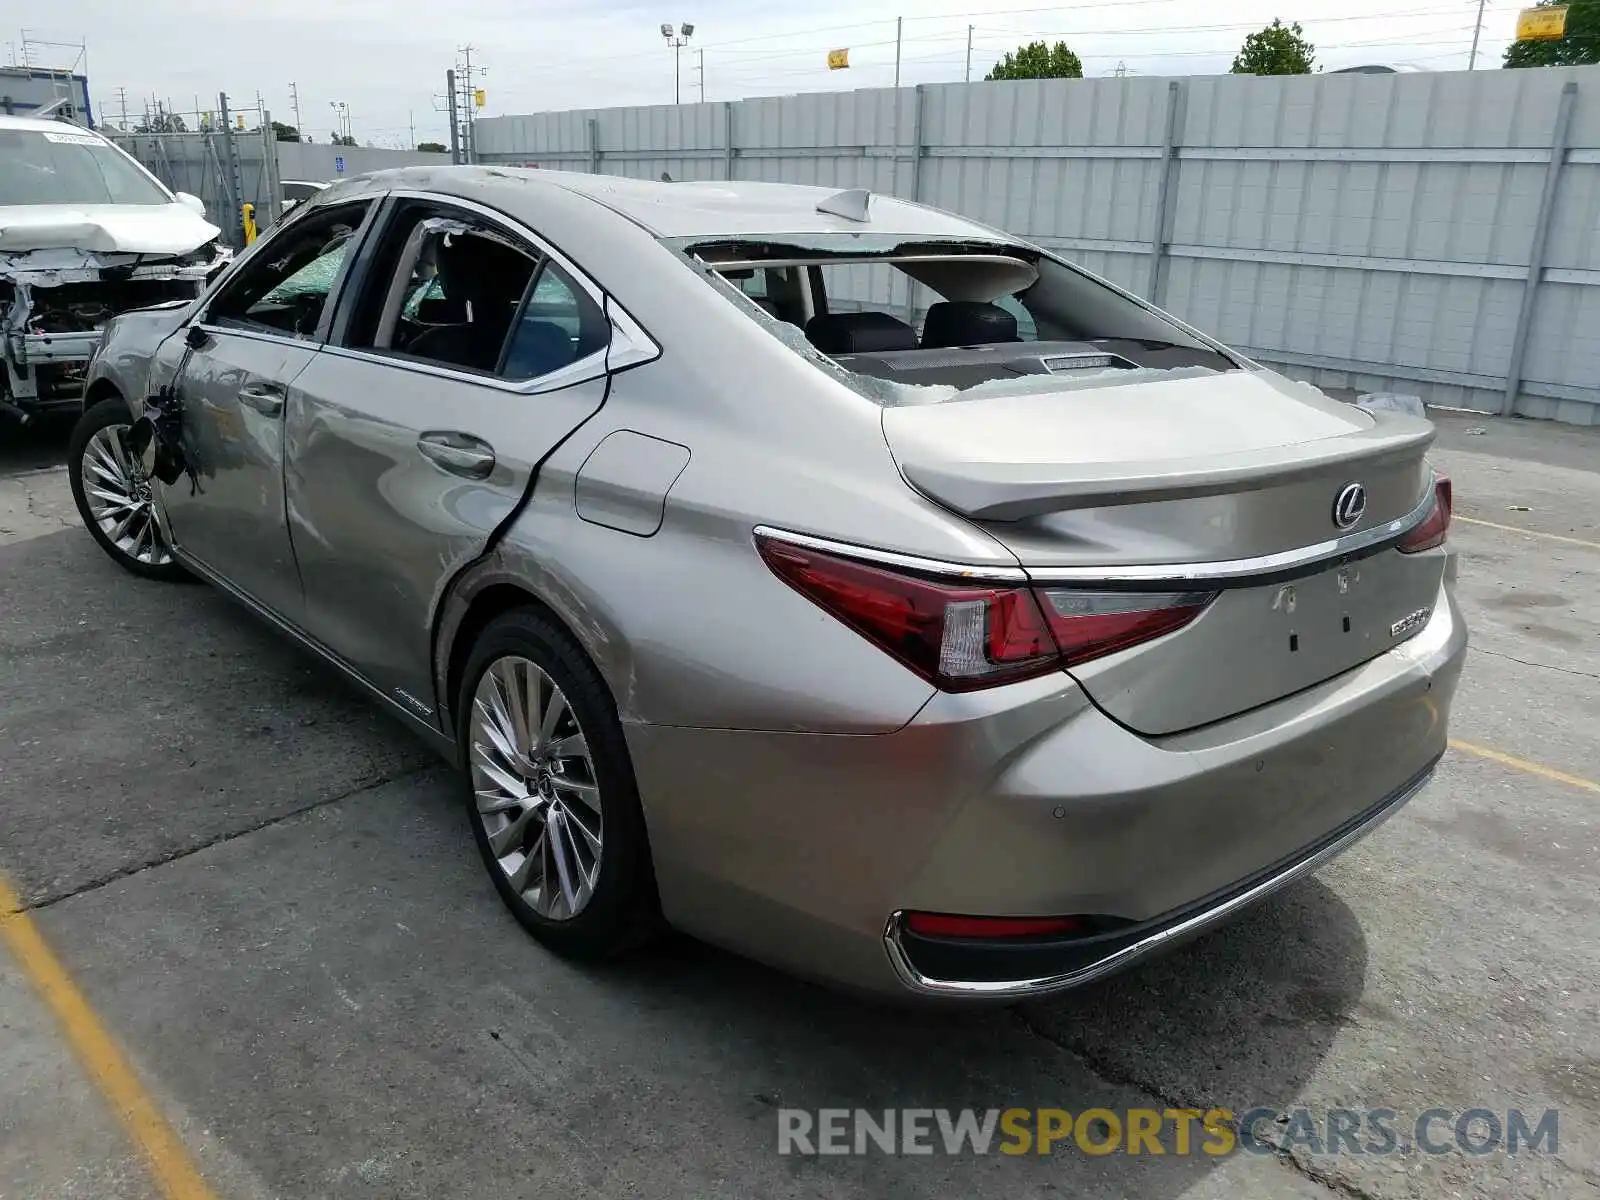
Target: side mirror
196, 338
192, 202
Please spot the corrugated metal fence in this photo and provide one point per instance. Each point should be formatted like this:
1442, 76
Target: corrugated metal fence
237, 167
1429, 232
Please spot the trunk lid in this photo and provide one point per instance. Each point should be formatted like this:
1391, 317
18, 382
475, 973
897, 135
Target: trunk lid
1218, 482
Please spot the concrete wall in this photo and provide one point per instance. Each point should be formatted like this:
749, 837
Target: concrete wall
1372, 231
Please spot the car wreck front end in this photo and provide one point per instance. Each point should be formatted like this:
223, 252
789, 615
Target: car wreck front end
85, 234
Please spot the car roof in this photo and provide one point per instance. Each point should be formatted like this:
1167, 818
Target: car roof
703, 209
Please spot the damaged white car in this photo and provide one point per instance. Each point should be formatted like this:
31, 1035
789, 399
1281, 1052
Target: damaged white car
85, 233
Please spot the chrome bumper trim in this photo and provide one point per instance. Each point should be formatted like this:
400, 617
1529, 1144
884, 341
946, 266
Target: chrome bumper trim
1192, 924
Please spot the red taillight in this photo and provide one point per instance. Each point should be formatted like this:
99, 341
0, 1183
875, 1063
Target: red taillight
955, 635
961, 636
1435, 527
945, 925
1090, 625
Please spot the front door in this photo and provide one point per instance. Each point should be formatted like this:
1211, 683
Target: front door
237, 368
467, 355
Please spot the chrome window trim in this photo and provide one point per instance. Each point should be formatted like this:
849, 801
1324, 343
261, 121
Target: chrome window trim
915, 981
586, 369
630, 345
258, 335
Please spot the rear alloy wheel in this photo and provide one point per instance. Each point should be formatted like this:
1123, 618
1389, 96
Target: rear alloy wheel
114, 498
552, 800
537, 796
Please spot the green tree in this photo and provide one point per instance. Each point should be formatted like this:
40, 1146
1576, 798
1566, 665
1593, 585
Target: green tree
1580, 46
1038, 61
431, 147
343, 139
1278, 49
284, 133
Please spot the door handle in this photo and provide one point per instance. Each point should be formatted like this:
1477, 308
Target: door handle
265, 398
459, 453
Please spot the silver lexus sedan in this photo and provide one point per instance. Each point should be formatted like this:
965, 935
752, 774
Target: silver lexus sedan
830, 577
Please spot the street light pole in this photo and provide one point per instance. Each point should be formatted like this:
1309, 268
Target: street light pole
677, 39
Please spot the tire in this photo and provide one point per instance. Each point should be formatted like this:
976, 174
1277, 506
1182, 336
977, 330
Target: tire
99, 471
579, 780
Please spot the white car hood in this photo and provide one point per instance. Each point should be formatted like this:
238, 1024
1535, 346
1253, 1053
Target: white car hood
104, 228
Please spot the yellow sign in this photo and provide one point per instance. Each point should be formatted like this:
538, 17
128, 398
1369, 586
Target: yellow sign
240, 120
838, 60
250, 231
480, 98
1542, 24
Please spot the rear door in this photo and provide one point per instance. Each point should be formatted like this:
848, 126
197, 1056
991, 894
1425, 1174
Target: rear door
468, 352
250, 345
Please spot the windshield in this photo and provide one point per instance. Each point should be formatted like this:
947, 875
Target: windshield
69, 167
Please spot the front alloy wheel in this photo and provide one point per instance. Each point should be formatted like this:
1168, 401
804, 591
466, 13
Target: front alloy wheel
119, 499
538, 798
113, 496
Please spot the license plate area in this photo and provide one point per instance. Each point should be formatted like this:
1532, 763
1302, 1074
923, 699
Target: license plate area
1256, 644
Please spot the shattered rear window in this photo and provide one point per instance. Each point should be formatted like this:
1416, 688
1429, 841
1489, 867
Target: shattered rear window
930, 321
69, 167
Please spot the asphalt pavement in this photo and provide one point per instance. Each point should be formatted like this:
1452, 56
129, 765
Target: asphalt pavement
268, 896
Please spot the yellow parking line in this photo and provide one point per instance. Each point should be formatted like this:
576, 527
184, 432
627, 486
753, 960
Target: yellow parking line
1552, 537
1522, 764
169, 1162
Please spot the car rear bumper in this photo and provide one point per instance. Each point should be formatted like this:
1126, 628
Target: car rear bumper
804, 850
1019, 969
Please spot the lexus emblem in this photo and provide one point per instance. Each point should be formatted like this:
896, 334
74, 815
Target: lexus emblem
1350, 505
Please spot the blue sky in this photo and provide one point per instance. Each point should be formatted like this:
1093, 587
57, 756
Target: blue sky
386, 60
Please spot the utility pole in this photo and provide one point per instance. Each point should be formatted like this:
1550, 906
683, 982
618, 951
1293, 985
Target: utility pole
122, 95
700, 55
232, 176
411, 117
1477, 32
294, 103
899, 24
969, 53
469, 99
455, 124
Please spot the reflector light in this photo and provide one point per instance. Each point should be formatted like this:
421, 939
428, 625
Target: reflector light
945, 925
1090, 625
1435, 527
